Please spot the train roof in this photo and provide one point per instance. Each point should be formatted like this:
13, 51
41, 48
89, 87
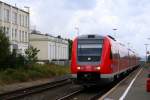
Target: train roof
91, 36
121, 44
111, 37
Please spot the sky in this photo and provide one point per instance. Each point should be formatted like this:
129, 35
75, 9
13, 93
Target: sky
131, 18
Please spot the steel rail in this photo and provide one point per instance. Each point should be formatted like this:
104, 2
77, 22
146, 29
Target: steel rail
71, 94
32, 90
102, 92
95, 96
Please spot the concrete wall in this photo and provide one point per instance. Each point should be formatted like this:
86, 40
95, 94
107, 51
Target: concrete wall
57, 51
51, 48
43, 47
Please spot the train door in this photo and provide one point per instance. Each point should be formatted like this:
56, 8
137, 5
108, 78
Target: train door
115, 56
118, 60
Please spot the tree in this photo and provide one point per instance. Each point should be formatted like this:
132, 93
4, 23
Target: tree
31, 55
15, 60
70, 48
59, 36
148, 60
4, 48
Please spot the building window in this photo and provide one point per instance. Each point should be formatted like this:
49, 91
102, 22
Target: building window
57, 52
26, 36
20, 36
14, 18
12, 34
6, 15
7, 31
50, 56
26, 21
15, 34
20, 19
4, 29
54, 52
0, 13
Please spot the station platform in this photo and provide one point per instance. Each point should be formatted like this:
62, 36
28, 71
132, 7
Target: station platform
138, 89
132, 88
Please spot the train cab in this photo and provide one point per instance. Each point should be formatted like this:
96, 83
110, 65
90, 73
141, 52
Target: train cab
96, 57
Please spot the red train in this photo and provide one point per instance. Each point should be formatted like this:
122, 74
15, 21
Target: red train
96, 57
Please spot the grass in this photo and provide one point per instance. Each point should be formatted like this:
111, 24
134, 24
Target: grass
147, 65
37, 71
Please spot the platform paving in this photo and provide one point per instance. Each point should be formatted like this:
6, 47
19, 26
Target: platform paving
137, 90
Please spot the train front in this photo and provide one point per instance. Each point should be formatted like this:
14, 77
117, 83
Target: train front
86, 59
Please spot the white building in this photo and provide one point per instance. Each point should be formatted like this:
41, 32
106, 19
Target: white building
15, 23
51, 48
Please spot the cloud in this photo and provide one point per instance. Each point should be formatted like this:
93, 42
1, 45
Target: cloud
60, 17
79, 4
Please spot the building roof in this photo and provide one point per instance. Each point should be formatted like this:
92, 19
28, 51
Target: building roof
15, 7
39, 33
47, 37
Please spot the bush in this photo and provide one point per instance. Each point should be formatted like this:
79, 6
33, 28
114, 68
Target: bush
13, 75
31, 55
12, 59
15, 60
4, 49
37, 71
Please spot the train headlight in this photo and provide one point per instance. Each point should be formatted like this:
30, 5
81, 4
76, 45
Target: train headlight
78, 67
98, 68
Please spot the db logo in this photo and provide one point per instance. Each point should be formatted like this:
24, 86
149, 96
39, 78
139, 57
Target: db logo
89, 58
88, 67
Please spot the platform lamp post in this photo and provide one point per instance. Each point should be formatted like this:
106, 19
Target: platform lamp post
128, 45
128, 50
146, 50
146, 45
28, 8
114, 29
77, 28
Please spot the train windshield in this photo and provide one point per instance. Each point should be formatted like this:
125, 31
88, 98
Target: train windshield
89, 51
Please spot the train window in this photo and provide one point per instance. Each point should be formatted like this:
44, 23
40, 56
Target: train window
110, 54
90, 46
88, 41
89, 52
91, 36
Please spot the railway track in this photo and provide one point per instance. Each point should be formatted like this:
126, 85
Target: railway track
93, 93
32, 90
86, 93
90, 93
70, 95
62, 92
